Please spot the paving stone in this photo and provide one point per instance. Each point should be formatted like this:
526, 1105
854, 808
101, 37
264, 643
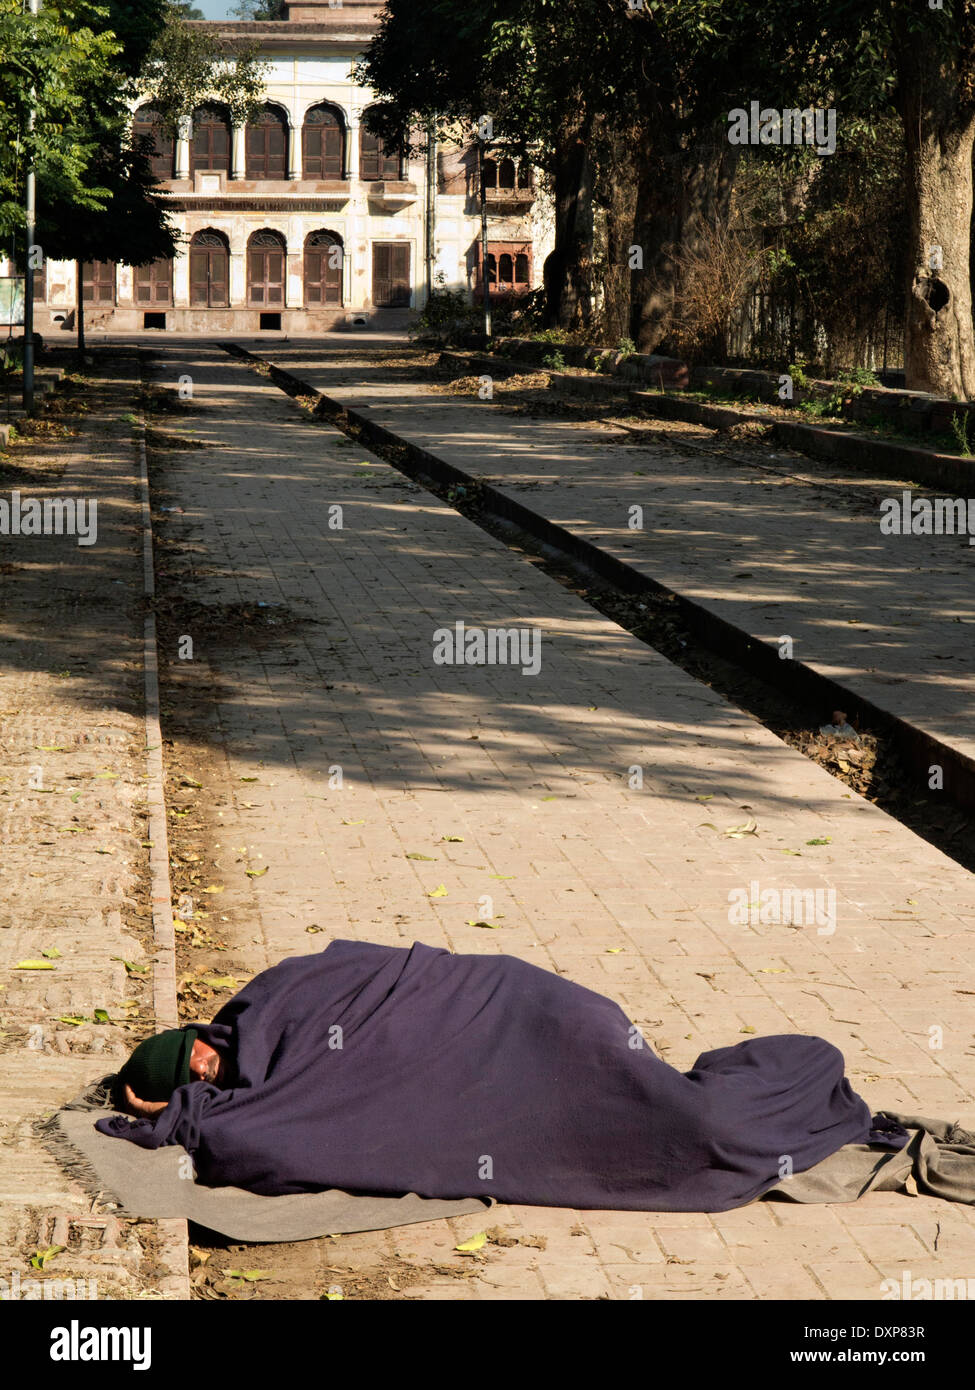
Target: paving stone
597, 869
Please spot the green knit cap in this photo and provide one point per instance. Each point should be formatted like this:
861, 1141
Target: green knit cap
160, 1064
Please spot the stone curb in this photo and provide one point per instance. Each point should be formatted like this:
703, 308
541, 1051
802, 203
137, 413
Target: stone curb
857, 451
172, 1232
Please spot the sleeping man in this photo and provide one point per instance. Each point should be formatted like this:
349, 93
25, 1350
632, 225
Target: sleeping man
389, 1070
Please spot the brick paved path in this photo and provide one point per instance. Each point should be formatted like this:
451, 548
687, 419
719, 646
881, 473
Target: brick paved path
623, 889
889, 616
72, 787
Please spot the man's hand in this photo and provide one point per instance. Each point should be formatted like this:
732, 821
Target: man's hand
145, 1109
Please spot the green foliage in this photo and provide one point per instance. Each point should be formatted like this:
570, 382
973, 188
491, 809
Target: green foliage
859, 377
185, 65
959, 427
447, 312
259, 9
797, 371
554, 360
121, 217
627, 347
555, 336
63, 54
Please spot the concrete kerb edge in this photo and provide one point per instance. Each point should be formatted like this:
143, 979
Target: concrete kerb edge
857, 451
173, 1234
918, 749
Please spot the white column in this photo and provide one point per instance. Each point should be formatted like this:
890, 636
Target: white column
238, 279
352, 150
238, 155
183, 148
294, 153
181, 278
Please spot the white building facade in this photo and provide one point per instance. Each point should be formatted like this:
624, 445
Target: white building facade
301, 221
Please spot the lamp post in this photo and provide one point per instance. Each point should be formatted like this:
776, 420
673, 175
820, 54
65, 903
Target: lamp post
31, 227
484, 241
431, 200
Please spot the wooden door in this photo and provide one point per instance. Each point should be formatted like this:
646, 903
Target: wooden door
209, 272
265, 270
323, 269
390, 274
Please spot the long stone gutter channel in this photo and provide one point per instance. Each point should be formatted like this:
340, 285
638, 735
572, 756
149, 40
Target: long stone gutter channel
917, 749
172, 1233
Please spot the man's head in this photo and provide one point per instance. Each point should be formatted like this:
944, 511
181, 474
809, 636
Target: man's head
174, 1058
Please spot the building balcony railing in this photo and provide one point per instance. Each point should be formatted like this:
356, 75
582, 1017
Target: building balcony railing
391, 193
509, 197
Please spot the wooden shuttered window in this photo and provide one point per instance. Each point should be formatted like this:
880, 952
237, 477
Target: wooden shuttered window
322, 145
98, 282
374, 161
154, 282
390, 274
149, 124
266, 147
210, 146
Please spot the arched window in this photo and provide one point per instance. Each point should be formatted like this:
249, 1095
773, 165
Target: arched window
266, 145
521, 269
154, 282
209, 270
490, 173
210, 146
506, 173
505, 269
524, 175
266, 254
323, 269
98, 282
322, 145
492, 273
149, 124
375, 162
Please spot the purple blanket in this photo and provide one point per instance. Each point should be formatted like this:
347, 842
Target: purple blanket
388, 1070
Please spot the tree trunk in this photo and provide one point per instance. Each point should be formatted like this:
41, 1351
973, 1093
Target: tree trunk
80, 311
615, 194
672, 208
939, 126
653, 279
568, 270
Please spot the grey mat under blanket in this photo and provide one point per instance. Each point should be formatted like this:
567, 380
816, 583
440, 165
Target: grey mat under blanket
939, 1160
159, 1183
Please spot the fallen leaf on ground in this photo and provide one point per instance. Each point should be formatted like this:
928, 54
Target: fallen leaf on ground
469, 1246
44, 1257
